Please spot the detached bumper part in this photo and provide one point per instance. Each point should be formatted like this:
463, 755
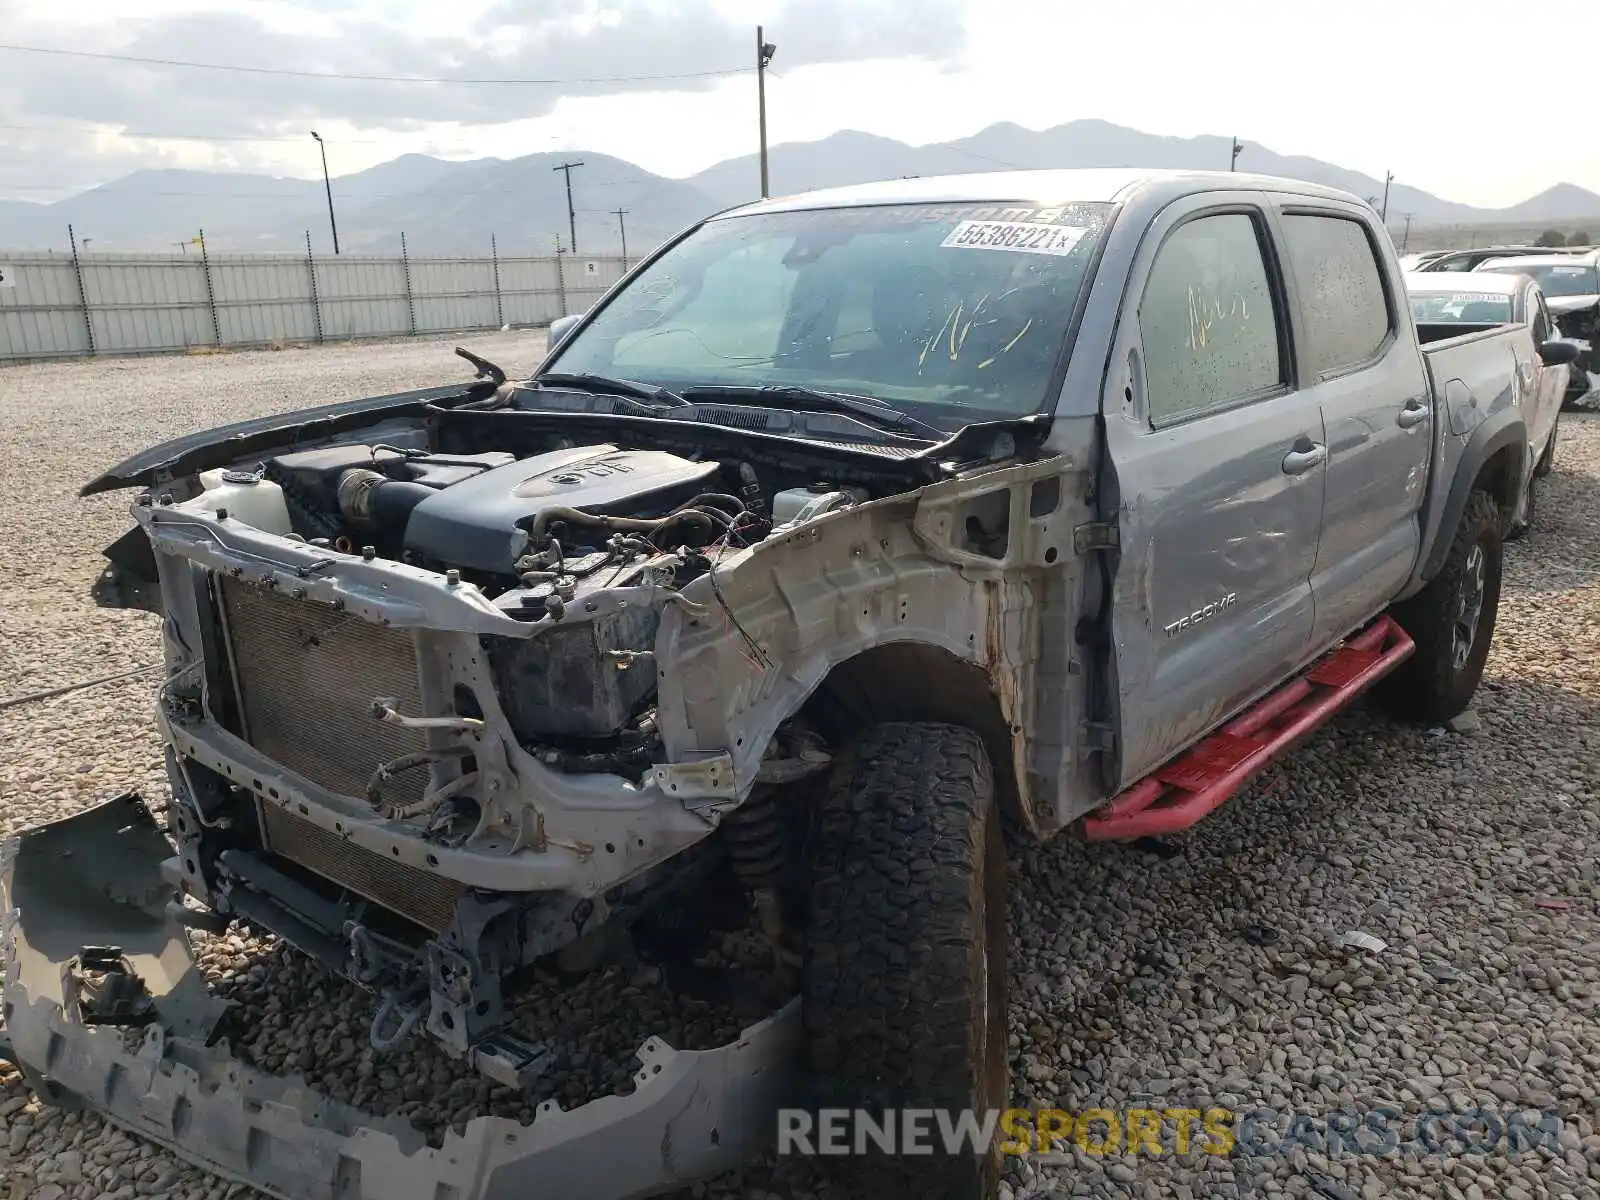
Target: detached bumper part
94, 881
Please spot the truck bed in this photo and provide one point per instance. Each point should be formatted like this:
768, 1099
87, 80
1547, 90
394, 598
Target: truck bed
1482, 358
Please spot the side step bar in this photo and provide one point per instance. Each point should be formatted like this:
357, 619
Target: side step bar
1193, 785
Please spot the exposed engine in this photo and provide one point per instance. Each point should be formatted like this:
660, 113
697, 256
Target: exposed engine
534, 535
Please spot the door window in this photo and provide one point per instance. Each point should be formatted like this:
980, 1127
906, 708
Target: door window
1340, 285
1208, 322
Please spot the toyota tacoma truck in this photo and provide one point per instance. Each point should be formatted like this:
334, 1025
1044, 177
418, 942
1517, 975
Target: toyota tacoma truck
847, 532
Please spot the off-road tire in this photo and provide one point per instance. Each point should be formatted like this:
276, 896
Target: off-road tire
1438, 680
905, 973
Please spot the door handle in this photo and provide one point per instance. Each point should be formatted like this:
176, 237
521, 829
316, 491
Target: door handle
1413, 414
1298, 462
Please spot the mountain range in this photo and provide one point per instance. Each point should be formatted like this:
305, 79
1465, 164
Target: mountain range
453, 207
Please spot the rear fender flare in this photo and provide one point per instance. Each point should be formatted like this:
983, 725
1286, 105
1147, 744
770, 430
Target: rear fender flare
1494, 435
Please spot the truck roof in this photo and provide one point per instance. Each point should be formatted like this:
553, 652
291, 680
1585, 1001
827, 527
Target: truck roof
1043, 187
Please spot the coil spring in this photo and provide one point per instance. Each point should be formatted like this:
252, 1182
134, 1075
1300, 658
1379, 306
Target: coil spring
754, 832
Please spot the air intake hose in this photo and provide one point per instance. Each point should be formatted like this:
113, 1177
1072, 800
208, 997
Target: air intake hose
368, 498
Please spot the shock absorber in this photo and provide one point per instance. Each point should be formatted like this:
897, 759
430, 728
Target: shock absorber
754, 835
755, 839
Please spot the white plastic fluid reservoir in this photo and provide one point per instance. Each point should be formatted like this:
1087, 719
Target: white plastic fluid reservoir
256, 502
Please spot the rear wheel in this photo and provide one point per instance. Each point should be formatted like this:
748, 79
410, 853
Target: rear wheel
905, 978
1451, 621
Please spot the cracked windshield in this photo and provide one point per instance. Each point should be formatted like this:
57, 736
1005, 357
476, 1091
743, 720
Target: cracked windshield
956, 312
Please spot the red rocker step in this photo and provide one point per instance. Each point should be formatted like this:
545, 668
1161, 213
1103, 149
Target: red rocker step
1191, 786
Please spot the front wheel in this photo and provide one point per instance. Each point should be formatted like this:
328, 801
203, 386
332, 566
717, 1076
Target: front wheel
905, 975
1451, 621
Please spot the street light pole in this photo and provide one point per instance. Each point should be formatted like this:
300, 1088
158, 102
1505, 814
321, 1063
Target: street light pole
764, 52
1233, 163
572, 213
328, 186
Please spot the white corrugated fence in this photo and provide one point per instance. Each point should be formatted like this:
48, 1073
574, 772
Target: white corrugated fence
58, 305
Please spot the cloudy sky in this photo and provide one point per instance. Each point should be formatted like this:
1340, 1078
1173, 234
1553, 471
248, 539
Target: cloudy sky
1360, 84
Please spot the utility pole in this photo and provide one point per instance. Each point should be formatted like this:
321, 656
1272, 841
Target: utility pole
328, 187
622, 231
764, 52
572, 213
1233, 163
1405, 238
1388, 178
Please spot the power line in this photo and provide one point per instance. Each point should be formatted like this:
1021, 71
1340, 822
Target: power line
143, 60
80, 131
999, 162
291, 194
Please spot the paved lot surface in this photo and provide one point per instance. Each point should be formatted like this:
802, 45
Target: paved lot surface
1207, 975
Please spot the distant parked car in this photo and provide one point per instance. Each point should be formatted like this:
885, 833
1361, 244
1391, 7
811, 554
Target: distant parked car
1415, 262
1468, 260
1472, 305
1571, 286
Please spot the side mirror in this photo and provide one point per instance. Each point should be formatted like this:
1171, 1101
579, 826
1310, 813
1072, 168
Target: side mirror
1556, 353
561, 326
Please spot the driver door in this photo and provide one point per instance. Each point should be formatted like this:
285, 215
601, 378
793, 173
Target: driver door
1219, 463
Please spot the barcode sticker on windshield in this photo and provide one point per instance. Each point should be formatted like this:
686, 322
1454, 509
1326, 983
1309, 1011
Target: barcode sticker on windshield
1026, 237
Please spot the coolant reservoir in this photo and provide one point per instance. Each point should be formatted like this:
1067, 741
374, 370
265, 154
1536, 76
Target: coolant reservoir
257, 502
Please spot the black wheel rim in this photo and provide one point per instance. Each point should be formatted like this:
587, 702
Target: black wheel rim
1469, 608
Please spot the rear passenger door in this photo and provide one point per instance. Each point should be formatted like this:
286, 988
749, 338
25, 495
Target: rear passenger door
1372, 389
1218, 464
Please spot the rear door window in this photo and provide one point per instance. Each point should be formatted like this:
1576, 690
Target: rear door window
1209, 325
1342, 295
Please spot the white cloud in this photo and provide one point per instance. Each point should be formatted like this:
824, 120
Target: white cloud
1368, 86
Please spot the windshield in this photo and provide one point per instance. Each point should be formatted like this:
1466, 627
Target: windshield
1559, 280
956, 312
1466, 308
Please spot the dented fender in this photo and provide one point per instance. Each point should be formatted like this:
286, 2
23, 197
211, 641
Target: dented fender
980, 569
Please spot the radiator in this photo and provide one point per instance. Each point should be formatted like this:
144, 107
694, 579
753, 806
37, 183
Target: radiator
418, 895
307, 676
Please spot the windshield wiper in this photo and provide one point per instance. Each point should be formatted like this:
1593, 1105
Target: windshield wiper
794, 396
606, 385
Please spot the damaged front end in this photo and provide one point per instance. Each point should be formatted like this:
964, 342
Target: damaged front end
487, 687
105, 1006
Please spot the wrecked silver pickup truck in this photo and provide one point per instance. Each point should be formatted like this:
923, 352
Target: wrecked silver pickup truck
846, 527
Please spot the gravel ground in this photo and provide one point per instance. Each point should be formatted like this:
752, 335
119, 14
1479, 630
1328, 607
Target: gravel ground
1200, 973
